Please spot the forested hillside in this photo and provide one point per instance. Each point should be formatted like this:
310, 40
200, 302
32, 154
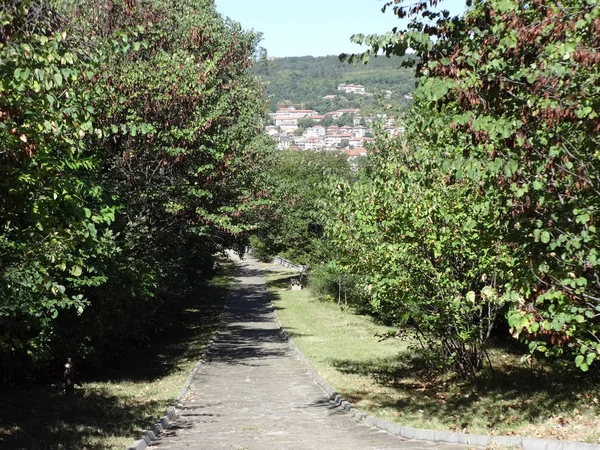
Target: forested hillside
307, 79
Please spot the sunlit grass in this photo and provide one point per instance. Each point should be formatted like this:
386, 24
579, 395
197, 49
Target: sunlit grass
384, 378
114, 407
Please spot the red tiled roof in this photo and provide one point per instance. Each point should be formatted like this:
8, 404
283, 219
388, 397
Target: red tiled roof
356, 151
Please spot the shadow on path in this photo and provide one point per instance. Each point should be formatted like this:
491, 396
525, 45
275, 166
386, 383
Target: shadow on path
256, 393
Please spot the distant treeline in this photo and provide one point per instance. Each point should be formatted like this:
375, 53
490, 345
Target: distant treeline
307, 79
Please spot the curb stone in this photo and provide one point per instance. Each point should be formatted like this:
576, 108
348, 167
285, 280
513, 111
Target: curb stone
420, 434
173, 411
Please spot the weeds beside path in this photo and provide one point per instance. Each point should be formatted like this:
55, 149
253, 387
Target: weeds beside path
119, 402
385, 379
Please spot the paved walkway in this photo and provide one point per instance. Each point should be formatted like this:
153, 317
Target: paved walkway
257, 394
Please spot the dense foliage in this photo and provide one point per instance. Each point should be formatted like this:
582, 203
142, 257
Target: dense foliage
291, 223
132, 136
492, 206
54, 218
414, 241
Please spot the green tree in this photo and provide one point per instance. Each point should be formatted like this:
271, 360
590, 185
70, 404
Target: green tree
292, 224
507, 106
133, 142
181, 118
411, 240
345, 120
53, 217
306, 122
327, 121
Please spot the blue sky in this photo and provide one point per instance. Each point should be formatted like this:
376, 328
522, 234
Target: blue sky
315, 27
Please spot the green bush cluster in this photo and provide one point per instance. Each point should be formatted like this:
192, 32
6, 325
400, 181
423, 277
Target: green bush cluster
291, 223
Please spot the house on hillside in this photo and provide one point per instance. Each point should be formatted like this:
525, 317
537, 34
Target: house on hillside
395, 131
352, 88
285, 142
356, 142
299, 142
369, 120
286, 123
359, 131
314, 144
355, 152
336, 140
272, 130
317, 130
293, 112
353, 155
368, 140
333, 129
340, 112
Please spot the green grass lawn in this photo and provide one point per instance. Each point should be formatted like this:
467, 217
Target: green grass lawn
385, 379
120, 402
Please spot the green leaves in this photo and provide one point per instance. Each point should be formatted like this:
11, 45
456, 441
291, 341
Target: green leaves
407, 232
585, 361
501, 177
101, 140
435, 89
511, 168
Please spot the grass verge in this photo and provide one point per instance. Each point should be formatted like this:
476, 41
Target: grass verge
387, 380
119, 403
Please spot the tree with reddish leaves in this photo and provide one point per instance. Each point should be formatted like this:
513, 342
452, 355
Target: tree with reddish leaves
180, 145
507, 102
132, 153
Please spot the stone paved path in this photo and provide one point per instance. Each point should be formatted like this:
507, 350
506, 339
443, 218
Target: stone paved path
257, 394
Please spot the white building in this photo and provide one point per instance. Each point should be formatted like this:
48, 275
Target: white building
314, 144
359, 131
335, 140
316, 131
333, 129
352, 88
356, 142
284, 143
340, 112
272, 130
296, 113
286, 123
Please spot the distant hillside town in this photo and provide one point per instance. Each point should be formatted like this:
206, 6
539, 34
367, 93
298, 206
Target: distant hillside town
345, 130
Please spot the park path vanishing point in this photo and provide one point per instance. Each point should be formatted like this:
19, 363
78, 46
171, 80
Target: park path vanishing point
255, 393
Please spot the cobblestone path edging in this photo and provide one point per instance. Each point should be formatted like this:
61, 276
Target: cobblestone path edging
173, 411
